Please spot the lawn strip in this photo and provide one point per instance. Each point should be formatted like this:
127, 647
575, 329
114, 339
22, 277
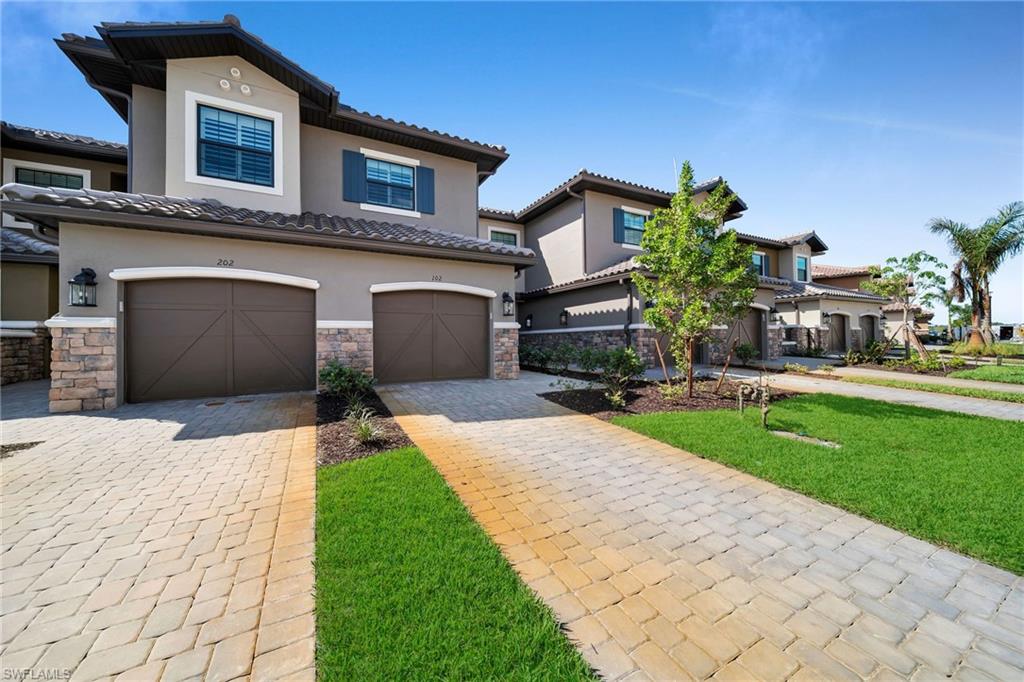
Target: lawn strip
998, 373
962, 391
952, 479
408, 586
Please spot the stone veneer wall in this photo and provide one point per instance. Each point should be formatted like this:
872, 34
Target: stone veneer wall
83, 373
809, 337
506, 353
23, 357
351, 346
601, 339
775, 336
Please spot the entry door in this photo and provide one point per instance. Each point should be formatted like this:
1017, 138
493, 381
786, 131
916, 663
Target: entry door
197, 338
748, 330
837, 333
867, 329
427, 335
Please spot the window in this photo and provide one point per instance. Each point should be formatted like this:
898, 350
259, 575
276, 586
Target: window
801, 268
634, 227
45, 178
760, 264
390, 184
506, 238
235, 147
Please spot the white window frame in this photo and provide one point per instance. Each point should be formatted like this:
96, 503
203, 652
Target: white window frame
796, 267
192, 102
762, 254
11, 165
636, 211
491, 229
391, 158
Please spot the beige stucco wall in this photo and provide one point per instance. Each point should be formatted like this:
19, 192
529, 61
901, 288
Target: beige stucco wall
599, 305
773, 259
149, 144
557, 239
484, 232
203, 76
787, 261
455, 185
602, 250
99, 170
345, 276
852, 282
810, 311
28, 291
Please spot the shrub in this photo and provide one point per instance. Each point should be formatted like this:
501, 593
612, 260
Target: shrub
340, 380
534, 356
814, 352
795, 367
994, 350
672, 391
874, 351
852, 358
561, 357
956, 363
364, 429
588, 359
746, 352
618, 367
827, 369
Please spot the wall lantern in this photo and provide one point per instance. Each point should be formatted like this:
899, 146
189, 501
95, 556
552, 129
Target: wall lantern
82, 288
882, 317
826, 317
529, 321
563, 318
774, 316
508, 305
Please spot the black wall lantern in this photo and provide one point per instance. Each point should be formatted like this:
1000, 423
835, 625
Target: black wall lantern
529, 321
508, 305
82, 288
563, 318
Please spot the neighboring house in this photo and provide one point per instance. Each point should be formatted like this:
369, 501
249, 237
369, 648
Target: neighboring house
268, 229
29, 283
853, 277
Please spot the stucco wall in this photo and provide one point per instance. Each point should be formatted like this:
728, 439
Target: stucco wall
557, 238
203, 76
810, 311
852, 282
99, 170
28, 291
345, 276
774, 256
149, 144
787, 261
600, 305
602, 250
455, 186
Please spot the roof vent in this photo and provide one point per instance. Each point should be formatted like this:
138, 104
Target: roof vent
233, 20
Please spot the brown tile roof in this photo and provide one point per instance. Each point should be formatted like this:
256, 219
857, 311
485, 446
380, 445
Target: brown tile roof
823, 271
339, 231
14, 135
798, 290
18, 246
497, 214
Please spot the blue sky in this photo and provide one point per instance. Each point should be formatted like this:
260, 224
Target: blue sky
860, 121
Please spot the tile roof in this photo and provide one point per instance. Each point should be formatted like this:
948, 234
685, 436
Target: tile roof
798, 290
40, 134
51, 140
15, 245
184, 210
496, 213
823, 271
789, 240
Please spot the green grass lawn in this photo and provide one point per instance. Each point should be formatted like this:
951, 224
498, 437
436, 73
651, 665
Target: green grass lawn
988, 394
952, 479
1005, 373
408, 586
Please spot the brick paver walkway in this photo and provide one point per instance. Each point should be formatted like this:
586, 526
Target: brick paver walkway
668, 566
162, 541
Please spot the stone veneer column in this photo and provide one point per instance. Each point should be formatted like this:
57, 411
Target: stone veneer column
83, 374
23, 354
776, 334
856, 339
506, 353
351, 346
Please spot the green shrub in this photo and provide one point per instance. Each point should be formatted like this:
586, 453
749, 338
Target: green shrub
852, 358
619, 367
827, 369
364, 429
588, 359
563, 355
534, 356
814, 352
990, 351
795, 367
874, 351
340, 380
746, 352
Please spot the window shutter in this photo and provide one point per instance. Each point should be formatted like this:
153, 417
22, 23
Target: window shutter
353, 172
766, 259
424, 189
618, 225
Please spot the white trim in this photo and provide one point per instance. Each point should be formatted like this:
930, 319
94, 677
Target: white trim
631, 247
600, 328
760, 306
180, 272
21, 324
878, 315
61, 321
344, 324
506, 325
516, 232
635, 210
9, 176
384, 156
393, 211
192, 101
431, 286
17, 334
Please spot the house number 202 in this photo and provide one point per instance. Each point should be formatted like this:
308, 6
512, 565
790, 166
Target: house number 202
435, 278
226, 262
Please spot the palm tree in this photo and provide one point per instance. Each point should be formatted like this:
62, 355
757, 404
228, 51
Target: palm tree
980, 252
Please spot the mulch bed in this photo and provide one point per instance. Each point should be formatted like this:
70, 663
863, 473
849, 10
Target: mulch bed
334, 440
10, 448
644, 398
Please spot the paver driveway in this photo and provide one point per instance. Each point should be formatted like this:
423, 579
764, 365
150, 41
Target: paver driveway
668, 566
162, 541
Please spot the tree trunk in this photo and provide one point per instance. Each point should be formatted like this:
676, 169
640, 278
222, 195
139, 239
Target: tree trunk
689, 367
976, 340
986, 317
906, 333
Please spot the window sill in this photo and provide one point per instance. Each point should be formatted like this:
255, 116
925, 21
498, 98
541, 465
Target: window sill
632, 247
392, 211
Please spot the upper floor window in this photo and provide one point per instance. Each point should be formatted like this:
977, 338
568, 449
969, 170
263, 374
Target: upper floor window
801, 268
390, 184
46, 178
633, 224
236, 147
761, 264
506, 238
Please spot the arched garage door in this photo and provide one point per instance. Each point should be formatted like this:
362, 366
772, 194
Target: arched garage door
197, 338
427, 335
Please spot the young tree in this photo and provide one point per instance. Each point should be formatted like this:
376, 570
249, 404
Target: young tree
911, 282
697, 274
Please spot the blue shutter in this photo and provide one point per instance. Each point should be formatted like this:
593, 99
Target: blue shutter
353, 173
619, 226
767, 265
424, 189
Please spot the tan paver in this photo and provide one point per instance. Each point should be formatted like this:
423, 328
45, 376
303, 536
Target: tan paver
664, 565
158, 541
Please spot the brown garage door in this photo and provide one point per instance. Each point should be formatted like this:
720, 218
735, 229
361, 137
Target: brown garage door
194, 338
837, 333
748, 330
424, 335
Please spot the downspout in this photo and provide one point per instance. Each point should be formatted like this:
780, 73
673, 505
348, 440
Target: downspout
574, 195
629, 311
127, 98
480, 175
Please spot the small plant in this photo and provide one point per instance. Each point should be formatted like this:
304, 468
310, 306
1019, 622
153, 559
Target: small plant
852, 358
746, 352
795, 367
814, 352
827, 369
617, 399
364, 428
560, 358
874, 351
672, 392
340, 380
619, 367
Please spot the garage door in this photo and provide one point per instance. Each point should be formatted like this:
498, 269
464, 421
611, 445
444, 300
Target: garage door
748, 330
424, 335
194, 338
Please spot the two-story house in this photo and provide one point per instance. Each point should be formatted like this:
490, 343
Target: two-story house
28, 277
267, 228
